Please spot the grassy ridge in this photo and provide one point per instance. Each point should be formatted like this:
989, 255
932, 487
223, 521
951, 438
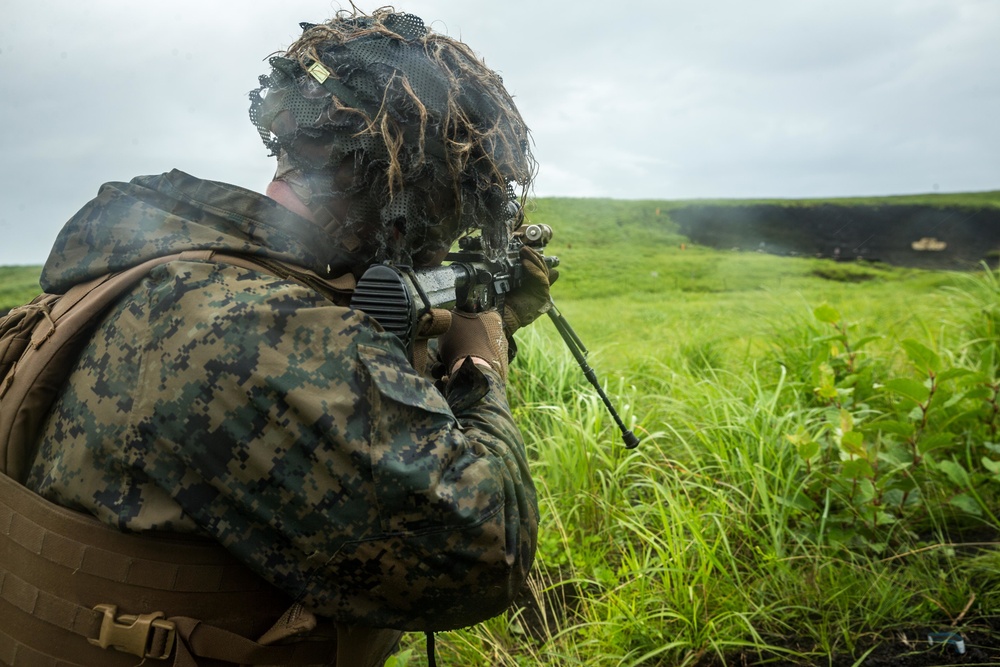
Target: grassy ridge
988, 199
634, 288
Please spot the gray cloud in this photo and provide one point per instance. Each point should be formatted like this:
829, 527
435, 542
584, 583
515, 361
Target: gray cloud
668, 99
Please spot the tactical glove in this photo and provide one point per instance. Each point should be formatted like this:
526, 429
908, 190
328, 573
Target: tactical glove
475, 335
531, 299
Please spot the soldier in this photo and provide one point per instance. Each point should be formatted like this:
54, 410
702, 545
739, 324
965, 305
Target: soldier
234, 398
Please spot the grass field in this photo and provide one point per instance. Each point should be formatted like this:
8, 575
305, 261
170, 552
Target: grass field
819, 475
18, 284
810, 490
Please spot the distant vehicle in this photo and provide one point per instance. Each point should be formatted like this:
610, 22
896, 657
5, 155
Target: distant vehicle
929, 243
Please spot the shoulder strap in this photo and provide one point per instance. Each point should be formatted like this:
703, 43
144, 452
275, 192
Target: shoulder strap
339, 290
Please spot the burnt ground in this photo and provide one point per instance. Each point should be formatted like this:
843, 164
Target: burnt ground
956, 237
911, 648
898, 648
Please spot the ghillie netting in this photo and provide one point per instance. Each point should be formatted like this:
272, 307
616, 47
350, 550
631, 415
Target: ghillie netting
398, 138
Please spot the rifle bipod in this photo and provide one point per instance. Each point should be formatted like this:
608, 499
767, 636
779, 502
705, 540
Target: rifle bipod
580, 352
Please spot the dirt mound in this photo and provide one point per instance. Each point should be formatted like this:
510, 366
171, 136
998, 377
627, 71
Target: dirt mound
903, 235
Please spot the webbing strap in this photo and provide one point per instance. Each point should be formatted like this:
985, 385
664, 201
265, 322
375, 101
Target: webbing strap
48, 607
194, 639
37, 536
67, 615
198, 639
51, 532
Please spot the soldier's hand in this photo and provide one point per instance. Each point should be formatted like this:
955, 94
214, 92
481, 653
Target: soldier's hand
476, 335
531, 299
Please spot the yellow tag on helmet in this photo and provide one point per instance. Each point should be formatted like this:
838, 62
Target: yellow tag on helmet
319, 72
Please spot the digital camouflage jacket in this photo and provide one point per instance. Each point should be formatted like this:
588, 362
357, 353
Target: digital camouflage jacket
236, 404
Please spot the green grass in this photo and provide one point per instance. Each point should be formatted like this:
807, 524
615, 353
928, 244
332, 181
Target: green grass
746, 522
703, 544
665, 294
694, 547
18, 284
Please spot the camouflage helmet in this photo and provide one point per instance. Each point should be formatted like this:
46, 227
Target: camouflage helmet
397, 138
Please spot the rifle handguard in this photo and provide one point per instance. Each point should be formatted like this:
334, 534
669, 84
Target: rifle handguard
530, 299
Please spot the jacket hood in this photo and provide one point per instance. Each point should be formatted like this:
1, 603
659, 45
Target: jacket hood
151, 216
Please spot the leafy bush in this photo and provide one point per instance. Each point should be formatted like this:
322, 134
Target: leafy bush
894, 451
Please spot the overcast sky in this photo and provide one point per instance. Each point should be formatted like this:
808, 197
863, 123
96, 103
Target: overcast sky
660, 99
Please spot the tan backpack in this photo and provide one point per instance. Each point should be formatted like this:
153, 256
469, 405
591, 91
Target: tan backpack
72, 588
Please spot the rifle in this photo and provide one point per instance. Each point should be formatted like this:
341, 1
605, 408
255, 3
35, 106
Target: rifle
399, 297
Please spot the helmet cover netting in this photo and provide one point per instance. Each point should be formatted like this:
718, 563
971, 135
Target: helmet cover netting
401, 140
